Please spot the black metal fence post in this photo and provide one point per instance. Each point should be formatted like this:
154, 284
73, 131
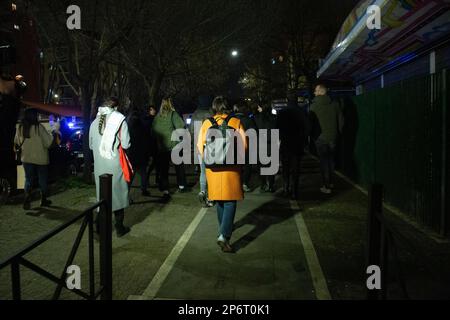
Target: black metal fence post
384, 261
105, 219
444, 199
374, 233
91, 256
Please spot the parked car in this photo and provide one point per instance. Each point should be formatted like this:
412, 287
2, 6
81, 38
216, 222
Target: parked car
74, 146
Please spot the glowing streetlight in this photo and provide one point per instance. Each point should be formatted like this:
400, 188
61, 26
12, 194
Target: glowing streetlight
234, 53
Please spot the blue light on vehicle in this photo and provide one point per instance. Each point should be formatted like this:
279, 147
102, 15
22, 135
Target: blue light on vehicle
71, 125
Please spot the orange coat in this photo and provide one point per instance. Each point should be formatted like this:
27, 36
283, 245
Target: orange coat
224, 184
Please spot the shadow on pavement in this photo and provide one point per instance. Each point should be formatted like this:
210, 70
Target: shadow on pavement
262, 218
53, 213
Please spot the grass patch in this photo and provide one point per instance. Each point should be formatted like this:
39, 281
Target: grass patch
72, 182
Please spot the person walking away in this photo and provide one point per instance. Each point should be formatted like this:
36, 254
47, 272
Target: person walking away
166, 121
330, 120
33, 141
224, 181
243, 113
264, 120
148, 119
10, 105
292, 126
108, 131
202, 113
139, 151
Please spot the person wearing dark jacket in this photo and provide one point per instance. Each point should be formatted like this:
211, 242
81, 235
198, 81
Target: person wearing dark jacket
292, 126
243, 113
139, 152
148, 119
264, 120
329, 123
10, 106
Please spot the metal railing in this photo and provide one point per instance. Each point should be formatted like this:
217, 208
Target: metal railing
105, 244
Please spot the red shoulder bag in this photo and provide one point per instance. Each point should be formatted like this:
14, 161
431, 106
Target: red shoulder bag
125, 163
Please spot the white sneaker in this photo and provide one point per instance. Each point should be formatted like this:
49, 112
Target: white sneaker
325, 190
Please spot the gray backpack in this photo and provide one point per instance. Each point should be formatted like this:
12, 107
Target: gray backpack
221, 146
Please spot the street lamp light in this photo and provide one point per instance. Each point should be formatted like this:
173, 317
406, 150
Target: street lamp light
234, 53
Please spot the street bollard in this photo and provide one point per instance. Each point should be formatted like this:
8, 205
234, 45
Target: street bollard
105, 221
376, 236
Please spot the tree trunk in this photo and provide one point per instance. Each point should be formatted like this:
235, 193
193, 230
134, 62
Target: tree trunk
87, 107
156, 86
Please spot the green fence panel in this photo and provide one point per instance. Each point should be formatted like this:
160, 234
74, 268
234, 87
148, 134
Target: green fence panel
399, 143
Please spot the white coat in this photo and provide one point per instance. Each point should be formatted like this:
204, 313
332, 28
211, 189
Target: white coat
120, 191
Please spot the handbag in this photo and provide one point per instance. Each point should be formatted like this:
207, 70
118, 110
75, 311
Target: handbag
125, 163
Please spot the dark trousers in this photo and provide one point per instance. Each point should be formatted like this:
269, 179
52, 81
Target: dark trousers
164, 166
247, 174
153, 166
33, 170
142, 170
268, 181
325, 151
291, 171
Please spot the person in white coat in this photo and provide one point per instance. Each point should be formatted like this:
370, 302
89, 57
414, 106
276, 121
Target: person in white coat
107, 132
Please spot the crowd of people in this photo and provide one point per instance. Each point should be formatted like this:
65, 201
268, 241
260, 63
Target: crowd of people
146, 140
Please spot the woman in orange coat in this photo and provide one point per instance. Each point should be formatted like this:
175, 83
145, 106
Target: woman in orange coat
224, 183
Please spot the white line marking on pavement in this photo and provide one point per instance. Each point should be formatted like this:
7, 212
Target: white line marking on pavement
169, 263
318, 279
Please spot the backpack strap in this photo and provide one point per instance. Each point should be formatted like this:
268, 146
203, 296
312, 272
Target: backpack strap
225, 122
213, 121
230, 116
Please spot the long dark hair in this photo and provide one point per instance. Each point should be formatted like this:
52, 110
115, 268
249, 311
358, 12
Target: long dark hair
30, 119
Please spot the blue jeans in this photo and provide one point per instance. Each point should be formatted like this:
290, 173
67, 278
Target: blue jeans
42, 173
203, 182
226, 211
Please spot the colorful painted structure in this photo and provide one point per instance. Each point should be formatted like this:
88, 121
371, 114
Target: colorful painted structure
410, 29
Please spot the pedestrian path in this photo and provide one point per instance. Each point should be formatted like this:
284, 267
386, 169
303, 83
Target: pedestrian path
270, 262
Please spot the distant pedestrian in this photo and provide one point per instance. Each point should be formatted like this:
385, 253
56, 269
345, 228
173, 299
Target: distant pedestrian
265, 120
148, 119
292, 126
166, 121
224, 182
139, 151
108, 131
326, 113
243, 112
32, 142
202, 113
